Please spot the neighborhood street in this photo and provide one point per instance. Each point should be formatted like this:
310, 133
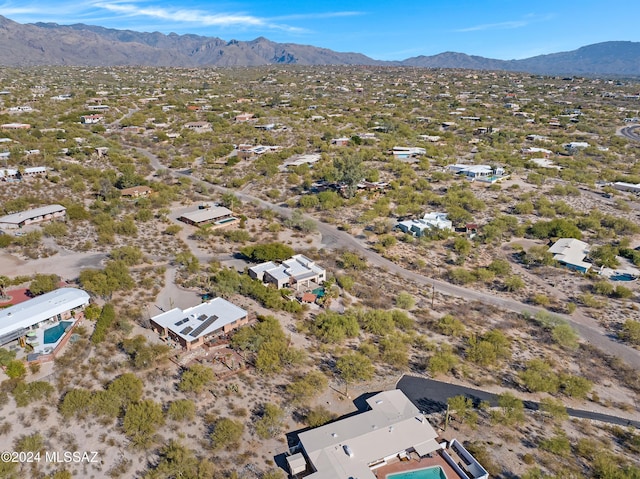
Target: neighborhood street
333, 238
431, 396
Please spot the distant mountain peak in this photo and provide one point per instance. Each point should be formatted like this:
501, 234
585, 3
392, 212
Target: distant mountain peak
89, 45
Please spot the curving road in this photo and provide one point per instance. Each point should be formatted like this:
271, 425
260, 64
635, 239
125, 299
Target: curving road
587, 327
631, 132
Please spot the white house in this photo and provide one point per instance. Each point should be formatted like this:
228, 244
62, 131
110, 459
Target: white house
30, 317
622, 186
571, 252
193, 326
576, 145
295, 272
401, 152
430, 221
391, 430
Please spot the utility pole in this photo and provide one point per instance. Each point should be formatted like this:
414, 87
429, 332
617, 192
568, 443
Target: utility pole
433, 294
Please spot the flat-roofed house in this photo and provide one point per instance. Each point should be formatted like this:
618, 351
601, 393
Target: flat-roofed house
91, 119
570, 252
192, 327
622, 186
28, 317
136, 191
430, 221
295, 272
392, 429
35, 215
208, 214
15, 126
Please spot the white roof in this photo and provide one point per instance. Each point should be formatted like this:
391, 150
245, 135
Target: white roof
201, 320
8, 172
262, 267
40, 308
570, 251
207, 214
345, 448
17, 218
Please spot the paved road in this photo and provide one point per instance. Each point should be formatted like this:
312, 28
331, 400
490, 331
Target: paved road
431, 396
631, 132
587, 327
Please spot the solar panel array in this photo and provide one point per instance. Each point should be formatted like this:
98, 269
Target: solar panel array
182, 321
205, 324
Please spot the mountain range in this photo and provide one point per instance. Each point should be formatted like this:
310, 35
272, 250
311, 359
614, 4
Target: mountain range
85, 45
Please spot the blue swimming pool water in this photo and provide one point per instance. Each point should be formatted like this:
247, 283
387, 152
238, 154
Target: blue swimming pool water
52, 335
435, 472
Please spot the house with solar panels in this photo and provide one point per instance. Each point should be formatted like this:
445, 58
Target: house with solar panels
194, 326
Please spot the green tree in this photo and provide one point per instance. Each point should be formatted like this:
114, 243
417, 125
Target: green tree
196, 378
513, 283
564, 335
539, 376
181, 410
443, 360
141, 421
318, 416
353, 367
177, 461
127, 388
450, 326
630, 332
462, 407
268, 252
43, 283
270, 422
558, 444
103, 324
15, 369
76, 402
307, 386
405, 300
511, 410
226, 433
575, 386
554, 408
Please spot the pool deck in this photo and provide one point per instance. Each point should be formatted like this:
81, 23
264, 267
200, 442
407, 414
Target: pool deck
38, 344
416, 463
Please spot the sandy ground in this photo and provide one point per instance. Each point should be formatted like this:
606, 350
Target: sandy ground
66, 264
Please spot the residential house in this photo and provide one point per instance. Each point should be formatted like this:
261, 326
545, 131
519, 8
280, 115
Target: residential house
91, 119
401, 152
136, 191
571, 252
576, 145
15, 126
392, 430
477, 172
343, 141
630, 187
245, 117
208, 213
198, 126
194, 326
295, 272
43, 321
35, 215
430, 222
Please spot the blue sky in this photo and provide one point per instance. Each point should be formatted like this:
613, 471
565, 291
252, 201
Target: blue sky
385, 30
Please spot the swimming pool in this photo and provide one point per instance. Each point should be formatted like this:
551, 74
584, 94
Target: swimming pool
53, 335
434, 472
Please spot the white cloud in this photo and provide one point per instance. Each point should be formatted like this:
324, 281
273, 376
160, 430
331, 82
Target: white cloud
495, 26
